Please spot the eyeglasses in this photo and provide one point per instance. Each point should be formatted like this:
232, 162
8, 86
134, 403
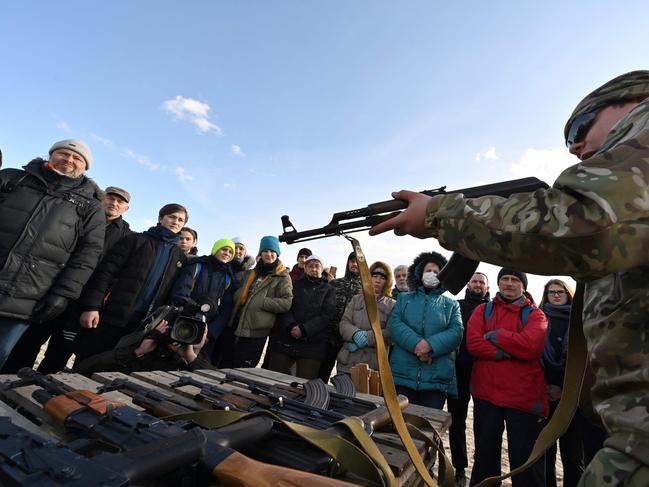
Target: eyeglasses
580, 127
560, 292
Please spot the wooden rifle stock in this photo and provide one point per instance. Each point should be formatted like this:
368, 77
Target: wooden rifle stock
237, 470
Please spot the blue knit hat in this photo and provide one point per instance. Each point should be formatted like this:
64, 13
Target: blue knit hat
269, 242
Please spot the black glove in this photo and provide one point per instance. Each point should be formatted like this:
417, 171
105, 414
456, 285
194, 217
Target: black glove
49, 308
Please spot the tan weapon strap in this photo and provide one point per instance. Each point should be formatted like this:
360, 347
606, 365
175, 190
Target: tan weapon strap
365, 462
574, 376
446, 475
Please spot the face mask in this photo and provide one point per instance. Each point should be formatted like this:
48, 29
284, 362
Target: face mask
430, 280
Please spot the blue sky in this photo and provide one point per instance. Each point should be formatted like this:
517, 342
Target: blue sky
247, 110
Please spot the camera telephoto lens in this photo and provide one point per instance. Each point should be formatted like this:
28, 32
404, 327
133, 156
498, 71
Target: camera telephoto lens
185, 331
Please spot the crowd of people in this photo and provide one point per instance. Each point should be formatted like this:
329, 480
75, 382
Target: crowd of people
75, 274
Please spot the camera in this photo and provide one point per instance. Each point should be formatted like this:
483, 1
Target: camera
187, 323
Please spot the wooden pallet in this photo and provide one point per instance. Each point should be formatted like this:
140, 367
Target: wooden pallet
25, 411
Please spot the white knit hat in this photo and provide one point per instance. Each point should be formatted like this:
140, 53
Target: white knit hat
75, 145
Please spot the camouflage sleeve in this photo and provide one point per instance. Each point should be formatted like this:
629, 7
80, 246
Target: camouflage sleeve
593, 221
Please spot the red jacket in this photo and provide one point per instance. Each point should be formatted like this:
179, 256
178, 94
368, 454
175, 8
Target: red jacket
507, 367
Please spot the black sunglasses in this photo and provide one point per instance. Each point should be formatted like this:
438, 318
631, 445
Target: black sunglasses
580, 127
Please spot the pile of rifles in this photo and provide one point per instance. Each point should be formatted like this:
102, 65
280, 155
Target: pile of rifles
259, 441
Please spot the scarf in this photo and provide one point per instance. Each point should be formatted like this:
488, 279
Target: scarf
553, 358
262, 270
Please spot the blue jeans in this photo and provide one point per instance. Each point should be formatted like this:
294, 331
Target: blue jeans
11, 330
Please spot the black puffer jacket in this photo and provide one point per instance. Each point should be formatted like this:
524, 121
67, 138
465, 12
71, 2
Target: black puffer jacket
51, 236
467, 305
115, 230
313, 309
115, 286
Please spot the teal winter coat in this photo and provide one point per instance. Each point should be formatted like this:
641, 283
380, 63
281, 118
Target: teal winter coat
436, 318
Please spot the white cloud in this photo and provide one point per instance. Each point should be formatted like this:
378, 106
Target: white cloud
489, 155
102, 140
545, 164
236, 150
140, 159
182, 175
193, 111
64, 127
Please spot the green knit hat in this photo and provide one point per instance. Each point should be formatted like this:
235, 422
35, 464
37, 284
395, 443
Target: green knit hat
629, 86
224, 242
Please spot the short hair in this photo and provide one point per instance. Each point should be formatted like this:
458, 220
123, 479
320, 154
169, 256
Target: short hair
400, 267
482, 274
170, 208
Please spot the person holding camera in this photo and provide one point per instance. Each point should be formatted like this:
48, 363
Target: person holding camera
134, 278
210, 276
147, 350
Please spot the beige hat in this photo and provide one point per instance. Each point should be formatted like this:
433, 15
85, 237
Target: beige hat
119, 192
75, 145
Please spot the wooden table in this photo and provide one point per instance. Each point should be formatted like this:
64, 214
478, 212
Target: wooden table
26, 412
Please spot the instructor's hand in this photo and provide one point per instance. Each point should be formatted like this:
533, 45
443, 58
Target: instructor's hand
411, 220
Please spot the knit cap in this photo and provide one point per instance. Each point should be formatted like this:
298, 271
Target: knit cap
313, 257
626, 87
75, 145
224, 242
240, 241
269, 242
508, 271
304, 251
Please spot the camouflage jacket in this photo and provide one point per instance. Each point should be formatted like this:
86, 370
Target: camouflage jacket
593, 224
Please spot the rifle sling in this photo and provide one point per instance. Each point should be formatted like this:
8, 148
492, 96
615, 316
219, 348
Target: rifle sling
366, 462
574, 376
387, 382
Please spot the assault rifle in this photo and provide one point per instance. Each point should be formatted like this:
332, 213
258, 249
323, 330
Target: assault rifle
313, 392
209, 454
459, 269
259, 396
27, 459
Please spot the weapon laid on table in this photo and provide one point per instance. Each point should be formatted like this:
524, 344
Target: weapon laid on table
312, 393
27, 459
457, 272
290, 409
262, 399
90, 416
157, 402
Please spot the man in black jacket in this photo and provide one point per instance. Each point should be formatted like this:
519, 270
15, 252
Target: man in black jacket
300, 335
477, 292
115, 203
51, 238
133, 278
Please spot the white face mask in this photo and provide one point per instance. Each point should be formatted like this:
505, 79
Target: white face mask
430, 280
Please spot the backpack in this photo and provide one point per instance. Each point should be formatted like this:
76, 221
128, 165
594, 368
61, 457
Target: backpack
525, 312
197, 273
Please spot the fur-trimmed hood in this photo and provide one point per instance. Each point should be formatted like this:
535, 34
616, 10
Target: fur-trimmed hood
416, 269
389, 283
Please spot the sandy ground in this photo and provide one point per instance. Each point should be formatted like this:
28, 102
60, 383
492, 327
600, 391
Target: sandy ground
505, 461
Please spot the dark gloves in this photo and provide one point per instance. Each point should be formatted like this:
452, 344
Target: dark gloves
501, 355
492, 336
48, 308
